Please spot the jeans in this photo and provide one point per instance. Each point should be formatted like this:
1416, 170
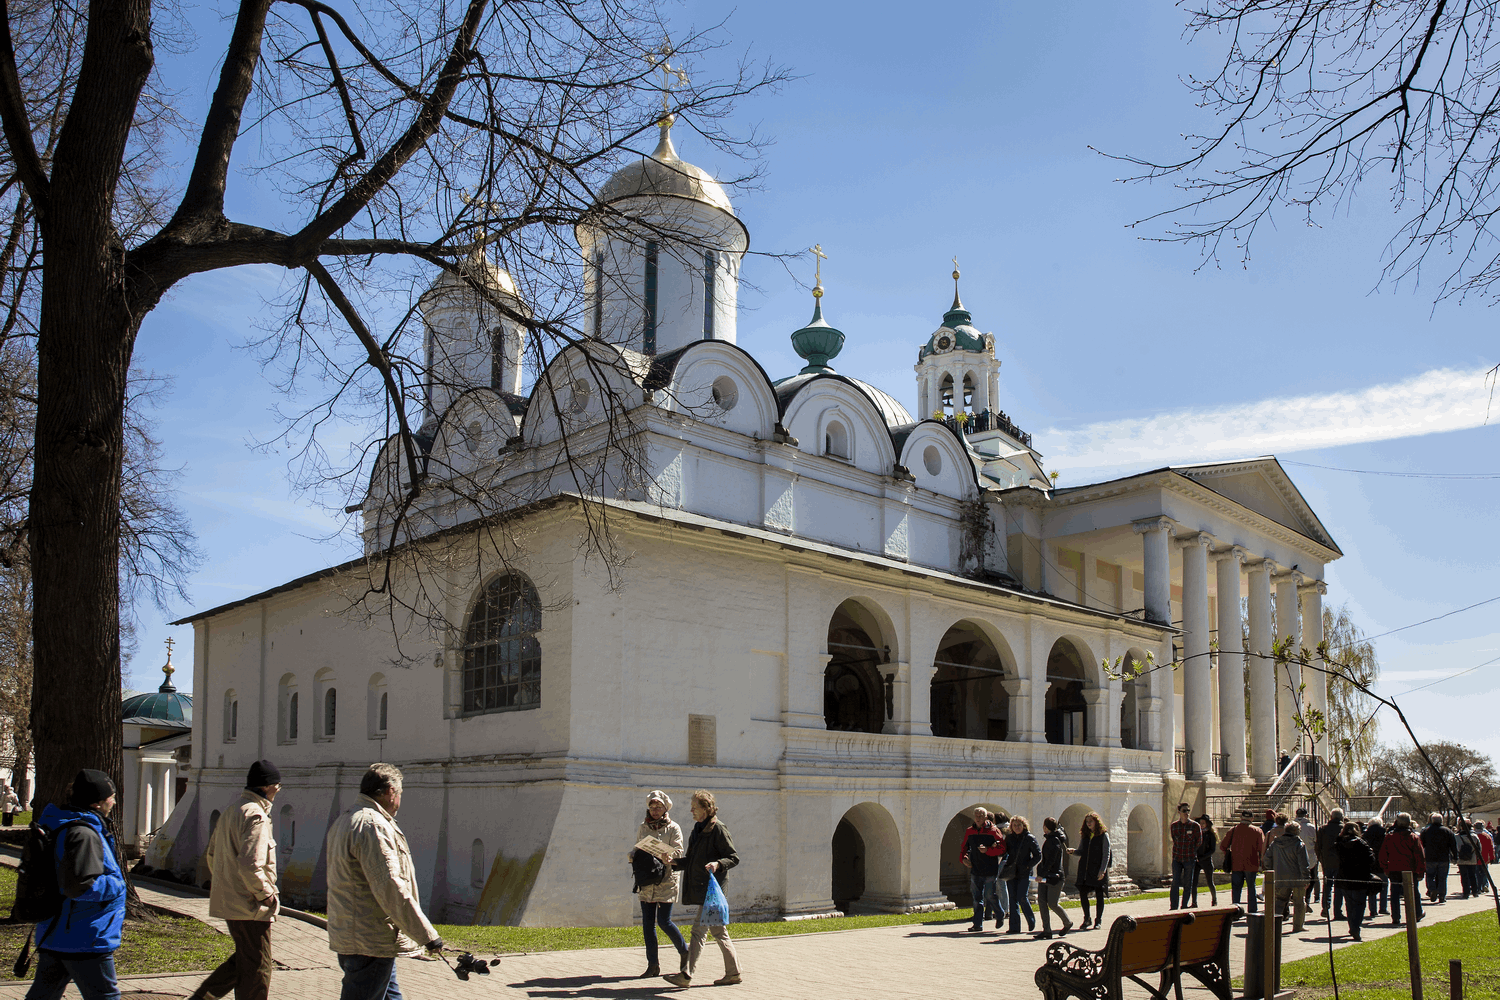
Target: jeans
1354, 909
1437, 881
1206, 869
1380, 897
369, 978
1468, 879
654, 915
1019, 903
721, 935
1049, 900
986, 902
248, 970
1238, 879
1398, 893
1083, 897
1333, 890
1183, 875
94, 975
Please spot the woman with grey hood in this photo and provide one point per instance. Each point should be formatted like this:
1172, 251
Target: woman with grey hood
656, 900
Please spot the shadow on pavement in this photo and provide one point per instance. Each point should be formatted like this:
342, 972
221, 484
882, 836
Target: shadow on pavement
635, 993
577, 981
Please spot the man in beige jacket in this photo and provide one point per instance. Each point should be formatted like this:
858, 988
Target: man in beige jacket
242, 864
374, 913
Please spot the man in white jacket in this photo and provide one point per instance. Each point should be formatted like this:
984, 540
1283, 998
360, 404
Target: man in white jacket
242, 862
374, 913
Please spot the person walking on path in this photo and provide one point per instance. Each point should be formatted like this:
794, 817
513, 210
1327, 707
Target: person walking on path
374, 913
1328, 859
1049, 878
1309, 834
241, 860
1022, 853
1487, 843
1440, 848
1469, 853
1094, 861
10, 804
1379, 896
1186, 836
1401, 851
980, 852
1244, 845
79, 944
710, 854
1287, 858
1356, 875
656, 900
1208, 843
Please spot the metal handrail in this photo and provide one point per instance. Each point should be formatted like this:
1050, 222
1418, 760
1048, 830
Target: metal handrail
1271, 792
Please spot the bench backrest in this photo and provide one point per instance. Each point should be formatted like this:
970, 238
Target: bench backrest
1148, 946
1200, 940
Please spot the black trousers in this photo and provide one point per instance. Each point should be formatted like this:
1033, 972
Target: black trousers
248, 970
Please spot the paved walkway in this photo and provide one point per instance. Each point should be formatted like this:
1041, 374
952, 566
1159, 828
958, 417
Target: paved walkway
910, 962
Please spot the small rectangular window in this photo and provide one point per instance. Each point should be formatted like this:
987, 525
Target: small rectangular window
710, 263
648, 339
599, 294
703, 740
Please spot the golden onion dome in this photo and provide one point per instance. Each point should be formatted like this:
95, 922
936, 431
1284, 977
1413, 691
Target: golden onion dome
482, 271
664, 174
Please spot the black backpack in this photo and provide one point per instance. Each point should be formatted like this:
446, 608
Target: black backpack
38, 897
648, 870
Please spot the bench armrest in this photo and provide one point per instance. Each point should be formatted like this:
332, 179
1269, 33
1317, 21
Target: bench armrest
1077, 961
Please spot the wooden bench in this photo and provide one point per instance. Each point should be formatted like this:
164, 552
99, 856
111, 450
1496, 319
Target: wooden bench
1165, 945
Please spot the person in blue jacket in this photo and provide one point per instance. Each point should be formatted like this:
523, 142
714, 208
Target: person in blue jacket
79, 943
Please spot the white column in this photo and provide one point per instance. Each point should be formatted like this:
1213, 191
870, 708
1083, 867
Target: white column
1262, 674
1097, 714
995, 389
1156, 559
1312, 638
1197, 691
1231, 660
143, 800
1019, 723
981, 392
1288, 674
164, 797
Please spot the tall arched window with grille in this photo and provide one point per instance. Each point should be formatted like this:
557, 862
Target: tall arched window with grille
502, 656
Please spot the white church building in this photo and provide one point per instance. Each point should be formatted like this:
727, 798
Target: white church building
852, 621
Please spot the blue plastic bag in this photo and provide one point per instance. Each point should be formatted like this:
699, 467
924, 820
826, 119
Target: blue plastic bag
715, 906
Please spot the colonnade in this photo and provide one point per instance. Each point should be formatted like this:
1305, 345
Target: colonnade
986, 384
1278, 694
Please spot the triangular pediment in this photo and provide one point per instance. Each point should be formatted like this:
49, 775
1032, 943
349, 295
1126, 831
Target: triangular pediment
1262, 485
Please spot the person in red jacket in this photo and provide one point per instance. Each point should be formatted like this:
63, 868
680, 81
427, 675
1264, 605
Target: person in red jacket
1487, 845
1402, 852
1243, 846
984, 843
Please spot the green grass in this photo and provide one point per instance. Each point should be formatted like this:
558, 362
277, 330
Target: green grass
534, 939
1377, 970
166, 944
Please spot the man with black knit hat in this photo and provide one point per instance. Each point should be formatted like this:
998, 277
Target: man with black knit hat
79, 943
242, 859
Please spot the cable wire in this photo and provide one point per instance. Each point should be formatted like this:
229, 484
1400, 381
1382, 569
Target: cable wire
1398, 475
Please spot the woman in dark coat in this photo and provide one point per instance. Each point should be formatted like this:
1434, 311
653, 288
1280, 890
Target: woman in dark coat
710, 854
1375, 836
1022, 853
1094, 861
1049, 878
1207, 844
1356, 877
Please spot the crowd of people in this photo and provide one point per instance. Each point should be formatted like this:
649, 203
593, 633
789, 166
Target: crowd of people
1001, 859
1353, 870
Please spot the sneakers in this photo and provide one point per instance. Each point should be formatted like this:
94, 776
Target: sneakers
733, 980
679, 979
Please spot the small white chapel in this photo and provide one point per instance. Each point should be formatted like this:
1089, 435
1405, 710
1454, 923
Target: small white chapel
852, 621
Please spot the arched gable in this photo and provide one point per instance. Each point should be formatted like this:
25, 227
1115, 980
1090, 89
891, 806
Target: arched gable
584, 385
822, 400
938, 461
717, 382
471, 433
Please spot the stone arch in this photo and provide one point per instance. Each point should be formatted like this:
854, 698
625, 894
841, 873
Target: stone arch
1071, 821
953, 877
1067, 717
1134, 693
866, 857
969, 699
377, 705
945, 401
1143, 843
325, 704
856, 695
287, 709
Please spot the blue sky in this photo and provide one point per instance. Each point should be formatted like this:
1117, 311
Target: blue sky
964, 129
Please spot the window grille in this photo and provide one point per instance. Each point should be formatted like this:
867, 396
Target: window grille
648, 344
502, 656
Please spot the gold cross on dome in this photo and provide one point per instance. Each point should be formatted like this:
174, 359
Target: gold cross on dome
817, 252
170, 643
955, 268
657, 59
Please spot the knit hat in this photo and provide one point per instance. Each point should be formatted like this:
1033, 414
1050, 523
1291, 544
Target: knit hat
262, 773
659, 796
90, 786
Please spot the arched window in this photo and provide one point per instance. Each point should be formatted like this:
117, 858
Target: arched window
502, 657
325, 704
497, 357
375, 706
291, 718
383, 696
286, 709
476, 864
286, 834
330, 712
231, 716
836, 440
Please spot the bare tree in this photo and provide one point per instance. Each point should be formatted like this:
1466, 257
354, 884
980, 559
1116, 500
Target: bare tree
1315, 98
1467, 773
404, 137
1351, 735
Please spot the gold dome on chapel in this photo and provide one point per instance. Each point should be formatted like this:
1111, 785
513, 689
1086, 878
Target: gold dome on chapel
664, 174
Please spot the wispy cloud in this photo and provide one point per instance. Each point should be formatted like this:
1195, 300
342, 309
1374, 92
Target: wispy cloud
1441, 400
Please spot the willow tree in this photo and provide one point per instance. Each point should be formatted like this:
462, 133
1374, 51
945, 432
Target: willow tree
402, 137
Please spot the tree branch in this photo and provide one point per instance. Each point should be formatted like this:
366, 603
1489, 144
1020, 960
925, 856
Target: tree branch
17, 125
